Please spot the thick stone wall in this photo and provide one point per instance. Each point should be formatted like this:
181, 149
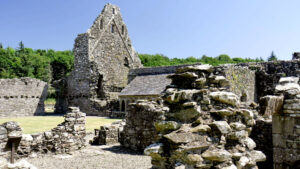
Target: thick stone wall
66, 137
22, 97
269, 73
286, 126
242, 82
262, 135
139, 131
206, 125
103, 57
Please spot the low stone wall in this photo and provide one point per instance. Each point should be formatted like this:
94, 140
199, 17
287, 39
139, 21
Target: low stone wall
139, 131
22, 97
108, 134
66, 137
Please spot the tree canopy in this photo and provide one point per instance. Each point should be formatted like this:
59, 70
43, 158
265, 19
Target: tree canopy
49, 65
161, 60
46, 65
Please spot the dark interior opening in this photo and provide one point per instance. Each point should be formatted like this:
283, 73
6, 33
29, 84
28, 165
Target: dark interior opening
101, 24
100, 93
123, 106
244, 97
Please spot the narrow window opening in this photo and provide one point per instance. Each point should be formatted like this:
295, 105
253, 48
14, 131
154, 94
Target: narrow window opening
100, 92
113, 11
126, 62
112, 28
123, 106
101, 24
123, 31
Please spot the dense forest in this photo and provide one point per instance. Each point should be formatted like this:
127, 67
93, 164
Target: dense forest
47, 65
50, 65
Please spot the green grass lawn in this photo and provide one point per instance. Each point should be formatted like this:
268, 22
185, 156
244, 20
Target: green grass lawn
37, 124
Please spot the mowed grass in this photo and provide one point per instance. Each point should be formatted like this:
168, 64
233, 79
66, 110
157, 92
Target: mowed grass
38, 124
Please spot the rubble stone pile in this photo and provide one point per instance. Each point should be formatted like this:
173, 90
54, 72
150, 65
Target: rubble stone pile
66, 137
108, 134
210, 126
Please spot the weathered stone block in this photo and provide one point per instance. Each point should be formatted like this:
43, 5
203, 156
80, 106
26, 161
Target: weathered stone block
270, 105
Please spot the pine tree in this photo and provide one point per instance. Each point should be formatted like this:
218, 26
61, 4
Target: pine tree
272, 57
21, 47
1, 46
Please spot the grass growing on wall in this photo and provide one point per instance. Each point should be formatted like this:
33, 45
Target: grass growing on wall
50, 101
38, 124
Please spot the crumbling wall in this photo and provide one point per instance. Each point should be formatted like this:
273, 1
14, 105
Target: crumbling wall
269, 73
286, 126
66, 137
242, 82
108, 134
139, 131
22, 97
262, 135
204, 126
103, 57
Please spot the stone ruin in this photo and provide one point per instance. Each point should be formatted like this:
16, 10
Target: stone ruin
65, 138
203, 124
103, 57
22, 97
286, 124
208, 120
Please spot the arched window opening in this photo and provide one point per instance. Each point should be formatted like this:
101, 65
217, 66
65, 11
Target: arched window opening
113, 11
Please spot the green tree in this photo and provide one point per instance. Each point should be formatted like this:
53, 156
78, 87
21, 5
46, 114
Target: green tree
272, 57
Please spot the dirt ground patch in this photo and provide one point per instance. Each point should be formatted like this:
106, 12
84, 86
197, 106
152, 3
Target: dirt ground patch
94, 157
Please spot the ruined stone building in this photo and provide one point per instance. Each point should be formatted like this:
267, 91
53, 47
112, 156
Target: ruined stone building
22, 97
149, 83
103, 57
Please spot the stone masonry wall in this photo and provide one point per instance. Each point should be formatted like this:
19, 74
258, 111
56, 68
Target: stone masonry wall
286, 126
139, 131
22, 97
269, 73
207, 126
66, 137
103, 57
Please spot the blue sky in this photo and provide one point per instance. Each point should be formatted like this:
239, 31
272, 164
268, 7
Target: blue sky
175, 28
